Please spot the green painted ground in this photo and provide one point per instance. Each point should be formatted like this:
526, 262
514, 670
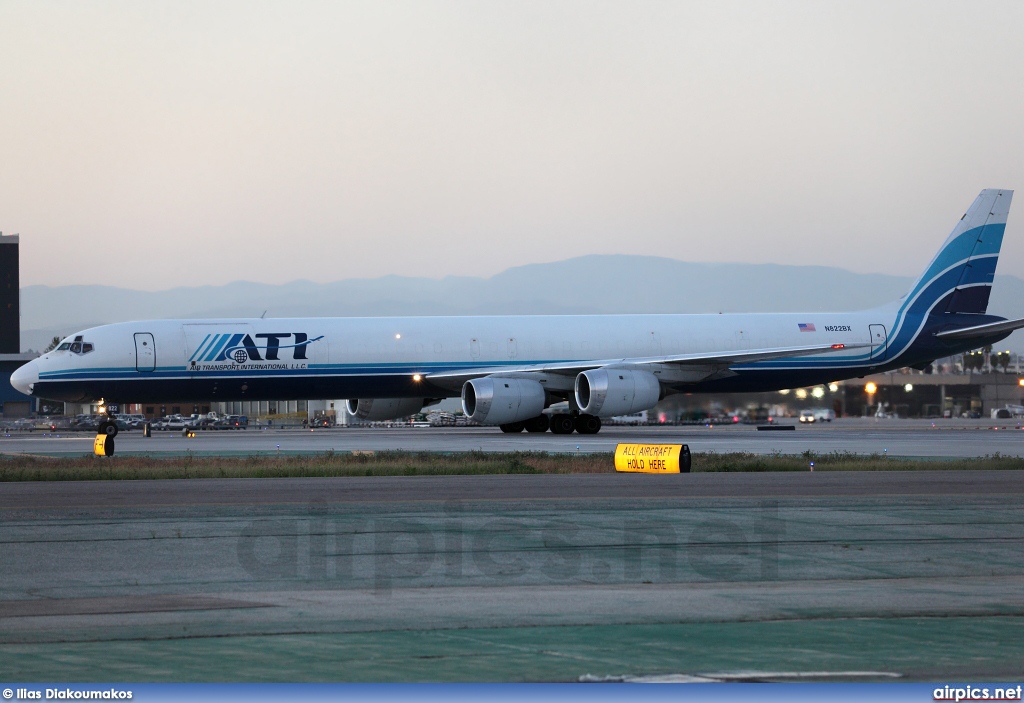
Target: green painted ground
917, 648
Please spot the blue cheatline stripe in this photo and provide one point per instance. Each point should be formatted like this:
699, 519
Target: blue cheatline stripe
982, 269
910, 318
963, 247
215, 348
970, 257
198, 352
914, 311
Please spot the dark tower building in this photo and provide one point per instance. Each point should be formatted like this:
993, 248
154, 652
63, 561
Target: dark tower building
10, 296
12, 403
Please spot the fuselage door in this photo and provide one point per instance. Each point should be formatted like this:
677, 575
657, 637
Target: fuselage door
145, 352
878, 342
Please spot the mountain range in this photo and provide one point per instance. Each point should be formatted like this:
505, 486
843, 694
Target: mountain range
583, 285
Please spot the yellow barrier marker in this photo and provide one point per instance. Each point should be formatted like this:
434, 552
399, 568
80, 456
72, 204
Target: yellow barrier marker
103, 445
652, 458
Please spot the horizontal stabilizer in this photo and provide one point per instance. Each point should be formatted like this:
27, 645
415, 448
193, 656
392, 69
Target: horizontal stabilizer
981, 331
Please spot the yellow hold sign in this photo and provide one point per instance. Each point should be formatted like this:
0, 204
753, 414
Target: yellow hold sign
652, 458
103, 445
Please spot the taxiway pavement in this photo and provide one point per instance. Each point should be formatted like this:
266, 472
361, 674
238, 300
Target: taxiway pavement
834, 575
941, 438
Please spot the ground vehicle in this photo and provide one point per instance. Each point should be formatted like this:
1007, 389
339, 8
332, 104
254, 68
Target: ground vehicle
824, 415
817, 415
177, 423
206, 422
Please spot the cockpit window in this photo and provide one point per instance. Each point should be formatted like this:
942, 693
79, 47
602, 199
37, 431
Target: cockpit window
77, 346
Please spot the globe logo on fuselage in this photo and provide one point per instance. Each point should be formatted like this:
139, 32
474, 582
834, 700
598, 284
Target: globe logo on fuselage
263, 351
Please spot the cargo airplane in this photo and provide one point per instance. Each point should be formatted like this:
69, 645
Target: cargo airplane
509, 369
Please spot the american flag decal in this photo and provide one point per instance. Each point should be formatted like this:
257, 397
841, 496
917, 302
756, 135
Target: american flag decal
806, 327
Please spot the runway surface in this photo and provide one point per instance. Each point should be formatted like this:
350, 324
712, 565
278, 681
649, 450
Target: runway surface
943, 438
839, 575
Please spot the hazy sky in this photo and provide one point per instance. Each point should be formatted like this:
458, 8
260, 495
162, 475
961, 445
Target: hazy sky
154, 144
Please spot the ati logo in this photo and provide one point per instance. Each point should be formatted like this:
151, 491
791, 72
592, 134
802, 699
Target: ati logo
241, 347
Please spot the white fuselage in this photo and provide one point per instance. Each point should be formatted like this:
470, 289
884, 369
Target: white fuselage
380, 357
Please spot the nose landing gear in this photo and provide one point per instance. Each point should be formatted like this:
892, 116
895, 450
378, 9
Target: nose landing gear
108, 428
107, 425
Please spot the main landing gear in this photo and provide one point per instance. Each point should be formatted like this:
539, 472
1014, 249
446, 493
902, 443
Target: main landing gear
558, 424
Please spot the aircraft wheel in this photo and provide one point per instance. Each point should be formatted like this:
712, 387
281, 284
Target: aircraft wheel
562, 424
538, 424
588, 424
107, 427
513, 427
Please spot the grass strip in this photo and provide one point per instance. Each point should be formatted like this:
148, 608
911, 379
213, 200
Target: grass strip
399, 463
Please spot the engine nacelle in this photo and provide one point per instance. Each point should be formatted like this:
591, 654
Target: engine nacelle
376, 409
609, 392
493, 400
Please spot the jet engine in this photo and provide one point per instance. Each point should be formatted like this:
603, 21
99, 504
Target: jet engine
609, 392
374, 409
494, 400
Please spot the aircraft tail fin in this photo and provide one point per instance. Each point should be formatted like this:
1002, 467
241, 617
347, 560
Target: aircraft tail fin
959, 278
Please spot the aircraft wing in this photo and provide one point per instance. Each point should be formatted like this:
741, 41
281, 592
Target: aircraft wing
982, 330
713, 362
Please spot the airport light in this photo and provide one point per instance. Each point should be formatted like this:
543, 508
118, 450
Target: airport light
785, 391
417, 378
833, 387
818, 392
801, 393
909, 387
870, 387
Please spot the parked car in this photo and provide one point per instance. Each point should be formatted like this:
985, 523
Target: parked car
176, 423
86, 422
232, 422
206, 422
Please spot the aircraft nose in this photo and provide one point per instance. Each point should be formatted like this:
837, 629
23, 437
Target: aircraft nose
25, 377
